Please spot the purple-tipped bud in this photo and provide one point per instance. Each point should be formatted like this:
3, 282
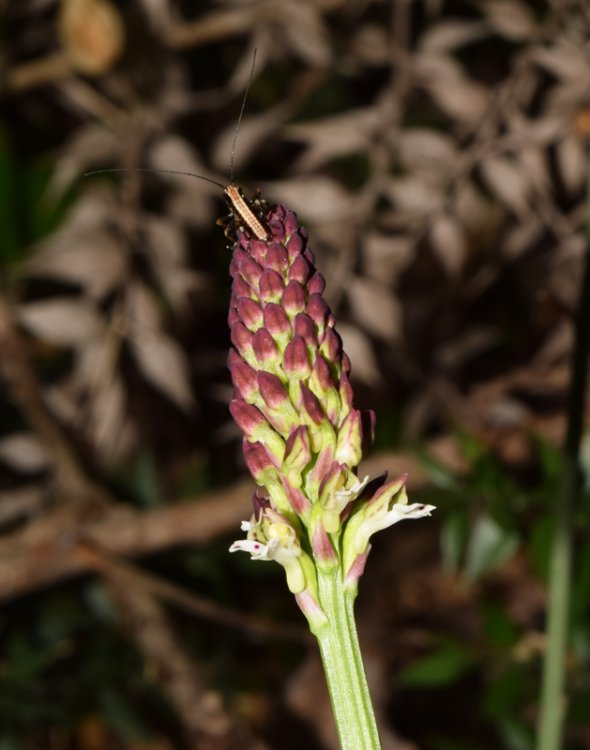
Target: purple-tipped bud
241, 338
276, 258
318, 310
300, 269
271, 286
240, 287
276, 320
316, 284
272, 390
293, 299
349, 447
296, 359
264, 347
251, 271
250, 313
312, 406
247, 417
304, 327
244, 380
331, 345
258, 460
232, 316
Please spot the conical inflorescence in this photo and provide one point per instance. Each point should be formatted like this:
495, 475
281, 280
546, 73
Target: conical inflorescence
303, 438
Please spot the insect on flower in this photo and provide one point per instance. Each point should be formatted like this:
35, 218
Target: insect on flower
243, 213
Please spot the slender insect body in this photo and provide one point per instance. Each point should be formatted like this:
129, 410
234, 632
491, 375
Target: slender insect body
242, 215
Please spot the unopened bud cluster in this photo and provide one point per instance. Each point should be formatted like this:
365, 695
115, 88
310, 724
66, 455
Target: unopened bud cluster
303, 438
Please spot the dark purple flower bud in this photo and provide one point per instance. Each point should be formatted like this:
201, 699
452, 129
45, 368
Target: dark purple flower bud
240, 287
246, 416
312, 406
295, 246
304, 326
276, 320
276, 257
257, 249
244, 380
290, 222
276, 227
264, 346
251, 271
232, 316
346, 366
258, 459
250, 313
271, 286
272, 390
293, 298
232, 358
296, 358
316, 284
345, 394
331, 346
299, 270
322, 374
318, 310
241, 338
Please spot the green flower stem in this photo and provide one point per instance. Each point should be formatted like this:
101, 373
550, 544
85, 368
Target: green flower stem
553, 695
343, 666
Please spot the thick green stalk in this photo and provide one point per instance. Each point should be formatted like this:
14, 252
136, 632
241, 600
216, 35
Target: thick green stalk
553, 697
343, 666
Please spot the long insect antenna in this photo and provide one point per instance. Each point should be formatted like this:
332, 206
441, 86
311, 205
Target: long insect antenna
158, 171
235, 138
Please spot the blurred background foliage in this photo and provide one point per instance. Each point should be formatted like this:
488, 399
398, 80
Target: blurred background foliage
436, 151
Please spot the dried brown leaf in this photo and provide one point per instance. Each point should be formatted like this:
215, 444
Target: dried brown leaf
93, 259
375, 307
414, 195
90, 145
458, 96
510, 18
426, 149
23, 452
331, 137
446, 36
164, 364
319, 199
507, 182
106, 424
386, 257
306, 33
159, 357
522, 237
449, 243
572, 162
563, 59
62, 320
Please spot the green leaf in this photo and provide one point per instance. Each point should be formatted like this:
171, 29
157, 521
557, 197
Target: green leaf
489, 546
440, 667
